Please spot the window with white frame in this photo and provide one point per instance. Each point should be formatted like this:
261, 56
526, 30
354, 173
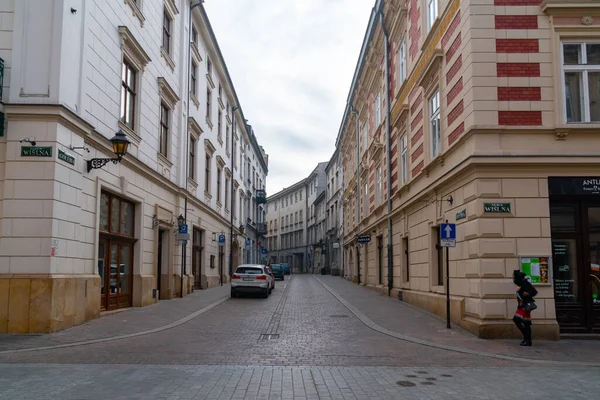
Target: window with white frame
402, 62
379, 185
434, 124
167, 23
404, 158
164, 130
581, 67
377, 110
128, 94
432, 12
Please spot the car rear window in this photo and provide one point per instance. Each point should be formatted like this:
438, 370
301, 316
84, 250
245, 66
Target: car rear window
249, 270
276, 267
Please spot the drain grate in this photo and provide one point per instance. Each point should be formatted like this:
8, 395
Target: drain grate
406, 383
338, 316
269, 336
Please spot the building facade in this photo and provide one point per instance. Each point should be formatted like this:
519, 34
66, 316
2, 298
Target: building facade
334, 215
484, 114
84, 228
315, 205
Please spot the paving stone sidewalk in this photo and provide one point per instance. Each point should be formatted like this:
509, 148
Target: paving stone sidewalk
394, 315
129, 321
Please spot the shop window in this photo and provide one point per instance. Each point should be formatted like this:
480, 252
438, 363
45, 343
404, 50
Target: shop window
116, 215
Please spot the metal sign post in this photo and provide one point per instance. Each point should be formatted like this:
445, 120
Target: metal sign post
447, 240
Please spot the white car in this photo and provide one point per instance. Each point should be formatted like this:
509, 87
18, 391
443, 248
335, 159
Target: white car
251, 278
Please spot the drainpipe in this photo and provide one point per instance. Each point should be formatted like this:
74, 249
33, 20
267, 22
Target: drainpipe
355, 112
388, 154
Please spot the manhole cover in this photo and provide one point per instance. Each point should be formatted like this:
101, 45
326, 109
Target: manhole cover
431, 379
338, 316
269, 336
406, 383
426, 383
447, 376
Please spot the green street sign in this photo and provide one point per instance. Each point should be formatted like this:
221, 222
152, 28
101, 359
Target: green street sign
462, 214
496, 207
66, 157
33, 151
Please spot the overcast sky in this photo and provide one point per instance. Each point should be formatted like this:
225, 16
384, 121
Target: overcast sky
291, 63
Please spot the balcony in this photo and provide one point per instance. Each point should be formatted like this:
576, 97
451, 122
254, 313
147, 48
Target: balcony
261, 196
261, 228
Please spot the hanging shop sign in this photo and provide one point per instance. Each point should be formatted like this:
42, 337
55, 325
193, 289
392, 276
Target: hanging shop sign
586, 186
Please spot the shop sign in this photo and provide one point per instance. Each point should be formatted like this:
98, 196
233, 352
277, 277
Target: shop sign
496, 207
66, 157
537, 269
574, 186
33, 151
462, 214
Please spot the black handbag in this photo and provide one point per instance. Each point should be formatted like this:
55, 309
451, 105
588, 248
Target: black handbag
530, 306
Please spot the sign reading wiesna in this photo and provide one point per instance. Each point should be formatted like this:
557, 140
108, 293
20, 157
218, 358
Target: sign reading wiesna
32, 151
66, 157
496, 207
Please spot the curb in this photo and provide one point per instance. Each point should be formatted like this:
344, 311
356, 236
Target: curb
374, 326
174, 324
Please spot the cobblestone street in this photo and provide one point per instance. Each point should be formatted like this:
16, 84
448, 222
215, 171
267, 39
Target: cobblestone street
335, 340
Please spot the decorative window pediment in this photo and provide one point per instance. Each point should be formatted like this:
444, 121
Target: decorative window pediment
167, 93
132, 49
171, 8
220, 161
194, 128
432, 69
227, 171
571, 8
209, 147
137, 10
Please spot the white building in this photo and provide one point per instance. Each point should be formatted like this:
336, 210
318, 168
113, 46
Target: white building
76, 240
335, 221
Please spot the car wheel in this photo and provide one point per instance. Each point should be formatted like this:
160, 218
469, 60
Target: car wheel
265, 293
233, 294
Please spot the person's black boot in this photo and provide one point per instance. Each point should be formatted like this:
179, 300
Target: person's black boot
526, 334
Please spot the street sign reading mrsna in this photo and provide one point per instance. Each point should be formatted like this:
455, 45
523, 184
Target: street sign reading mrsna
362, 239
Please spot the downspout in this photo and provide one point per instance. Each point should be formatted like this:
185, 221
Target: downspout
388, 154
355, 112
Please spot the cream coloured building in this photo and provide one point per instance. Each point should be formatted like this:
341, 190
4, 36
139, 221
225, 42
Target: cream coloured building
75, 240
482, 113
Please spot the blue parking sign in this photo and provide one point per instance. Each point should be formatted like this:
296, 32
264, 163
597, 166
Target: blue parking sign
221, 238
183, 228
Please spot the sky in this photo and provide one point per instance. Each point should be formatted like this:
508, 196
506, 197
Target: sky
292, 64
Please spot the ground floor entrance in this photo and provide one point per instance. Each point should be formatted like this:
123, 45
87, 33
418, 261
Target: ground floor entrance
575, 230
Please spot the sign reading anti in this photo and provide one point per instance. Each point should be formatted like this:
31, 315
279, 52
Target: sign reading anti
32, 151
496, 207
362, 239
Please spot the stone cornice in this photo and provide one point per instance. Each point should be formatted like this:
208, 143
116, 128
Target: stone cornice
167, 93
132, 49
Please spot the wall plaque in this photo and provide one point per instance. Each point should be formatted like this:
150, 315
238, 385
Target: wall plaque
496, 207
66, 157
462, 214
34, 151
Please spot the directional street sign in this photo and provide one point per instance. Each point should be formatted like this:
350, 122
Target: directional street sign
448, 235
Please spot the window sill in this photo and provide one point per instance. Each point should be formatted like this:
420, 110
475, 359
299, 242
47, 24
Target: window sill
209, 122
210, 81
220, 140
221, 103
136, 11
130, 132
192, 184
167, 58
164, 159
196, 53
195, 100
207, 196
219, 204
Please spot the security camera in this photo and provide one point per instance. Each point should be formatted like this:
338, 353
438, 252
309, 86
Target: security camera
28, 140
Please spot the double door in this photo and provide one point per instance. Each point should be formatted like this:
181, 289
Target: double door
115, 261
575, 229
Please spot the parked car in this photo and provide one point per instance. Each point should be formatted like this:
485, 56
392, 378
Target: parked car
268, 268
286, 268
251, 278
278, 272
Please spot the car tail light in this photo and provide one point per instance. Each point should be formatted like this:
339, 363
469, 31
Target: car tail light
262, 277
235, 276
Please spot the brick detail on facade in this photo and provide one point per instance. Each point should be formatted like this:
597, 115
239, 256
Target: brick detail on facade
417, 153
453, 48
455, 91
518, 69
459, 130
517, 2
392, 67
415, 122
517, 46
454, 69
516, 21
413, 93
414, 34
519, 94
455, 113
520, 118
451, 29
418, 168
416, 104
418, 135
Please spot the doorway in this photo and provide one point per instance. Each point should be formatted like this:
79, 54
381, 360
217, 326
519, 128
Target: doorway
197, 258
575, 230
380, 258
162, 264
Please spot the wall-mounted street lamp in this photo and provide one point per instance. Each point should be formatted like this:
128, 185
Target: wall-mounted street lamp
120, 144
180, 220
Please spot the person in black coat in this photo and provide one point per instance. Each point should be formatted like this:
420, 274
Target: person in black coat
525, 294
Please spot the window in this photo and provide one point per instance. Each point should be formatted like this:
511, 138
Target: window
116, 215
402, 63
219, 119
164, 129
227, 140
128, 87
219, 173
379, 185
220, 91
377, 110
300, 216
581, 66
300, 196
209, 67
207, 174
404, 158
406, 269
208, 100
434, 124
366, 199
364, 136
432, 12
166, 40
227, 193
194, 36
192, 159
296, 197
194, 80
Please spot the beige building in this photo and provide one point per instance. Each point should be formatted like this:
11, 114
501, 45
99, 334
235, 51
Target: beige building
84, 229
482, 113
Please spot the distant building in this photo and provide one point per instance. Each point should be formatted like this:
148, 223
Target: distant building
335, 215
